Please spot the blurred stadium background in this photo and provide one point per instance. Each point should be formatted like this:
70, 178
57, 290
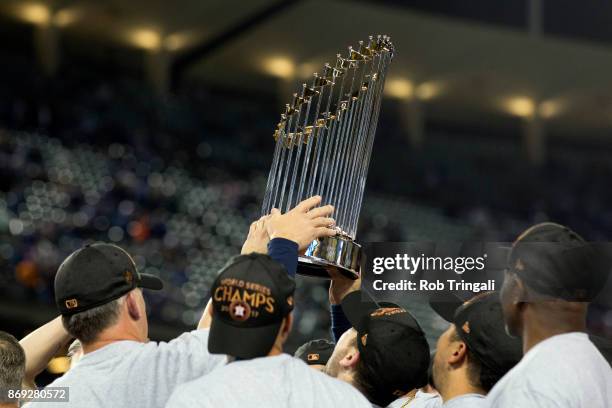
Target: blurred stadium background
149, 124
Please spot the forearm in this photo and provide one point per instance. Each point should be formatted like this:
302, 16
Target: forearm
339, 322
206, 319
285, 252
41, 345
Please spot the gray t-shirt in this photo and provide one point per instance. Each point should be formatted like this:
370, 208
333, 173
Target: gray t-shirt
131, 374
420, 400
267, 382
563, 371
466, 401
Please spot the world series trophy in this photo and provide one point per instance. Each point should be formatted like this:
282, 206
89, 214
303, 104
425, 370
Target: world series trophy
323, 146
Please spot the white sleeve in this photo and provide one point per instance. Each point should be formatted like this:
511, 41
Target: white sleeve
182, 398
527, 398
186, 358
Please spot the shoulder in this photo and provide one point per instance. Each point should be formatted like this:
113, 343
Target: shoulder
188, 395
525, 397
67, 379
194, 338
191, 346
343, 389
546, 376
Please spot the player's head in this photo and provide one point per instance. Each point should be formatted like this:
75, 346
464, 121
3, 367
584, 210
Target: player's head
385, 354
98, 288
12, 367
475, 351
315, 353
552, 271
252, 302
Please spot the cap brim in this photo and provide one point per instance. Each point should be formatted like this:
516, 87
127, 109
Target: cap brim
241, 342
356, 306
445, 304
359, 304
150, 282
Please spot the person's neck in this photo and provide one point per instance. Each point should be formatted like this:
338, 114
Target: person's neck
348, 376
109, 337
276, 351
540, 326
458, 386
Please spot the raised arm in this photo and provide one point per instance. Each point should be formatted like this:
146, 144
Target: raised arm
339, 287
40, 346
282, 236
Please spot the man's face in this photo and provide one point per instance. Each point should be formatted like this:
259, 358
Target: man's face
346, 342
510, 306
444, 349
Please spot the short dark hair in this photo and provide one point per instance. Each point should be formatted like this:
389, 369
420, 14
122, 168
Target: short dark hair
12, 366
87, 325
479, 375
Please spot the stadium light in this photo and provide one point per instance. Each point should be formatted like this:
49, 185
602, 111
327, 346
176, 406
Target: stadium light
520, 106
550, 108
146, 38
428, 90
65, 17
306, 69
34, 13
281, 67
399, 88
176, 41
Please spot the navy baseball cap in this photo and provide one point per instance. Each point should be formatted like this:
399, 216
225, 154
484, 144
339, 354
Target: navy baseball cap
390, 342
479, 322
315, 351
95, 275
555, 261
250, 297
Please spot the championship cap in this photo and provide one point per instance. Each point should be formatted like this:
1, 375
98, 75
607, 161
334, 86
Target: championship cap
95, 275
480, 324
390, 342
251, 297
315, 351
555, 261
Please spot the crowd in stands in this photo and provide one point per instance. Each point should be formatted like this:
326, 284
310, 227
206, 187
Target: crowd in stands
176, 180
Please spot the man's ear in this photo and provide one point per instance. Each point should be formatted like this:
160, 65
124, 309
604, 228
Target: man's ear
458, 352
351, 358
132, 306
521, 293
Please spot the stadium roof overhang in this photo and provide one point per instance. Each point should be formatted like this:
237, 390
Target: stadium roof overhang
460, 70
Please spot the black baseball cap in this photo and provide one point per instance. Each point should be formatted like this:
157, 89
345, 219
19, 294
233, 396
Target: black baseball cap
251, 297
391, 344
95, 275
555, 261
479, 322
315, 351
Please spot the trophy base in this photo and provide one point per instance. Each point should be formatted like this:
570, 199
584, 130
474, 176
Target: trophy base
331, 253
